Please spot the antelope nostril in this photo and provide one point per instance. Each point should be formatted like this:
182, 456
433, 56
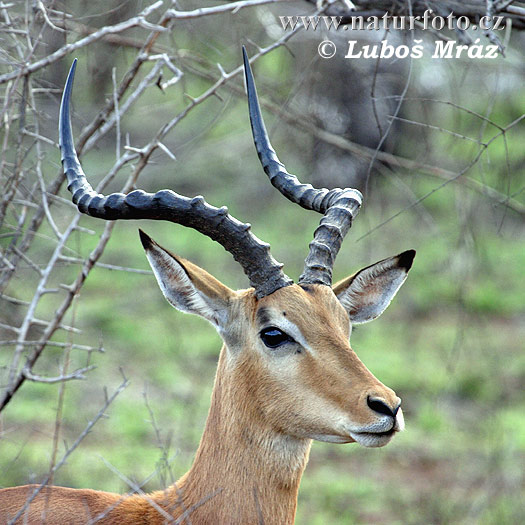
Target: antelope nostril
381, 407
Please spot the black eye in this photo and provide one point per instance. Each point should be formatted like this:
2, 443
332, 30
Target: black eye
273, 337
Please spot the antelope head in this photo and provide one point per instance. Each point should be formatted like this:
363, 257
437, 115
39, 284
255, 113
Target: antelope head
287, 366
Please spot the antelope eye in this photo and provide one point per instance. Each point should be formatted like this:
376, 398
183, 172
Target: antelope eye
273, 337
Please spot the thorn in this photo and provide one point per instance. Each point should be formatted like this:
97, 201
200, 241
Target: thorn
287, 47
159, 82
221, 69
166, 150
218, 96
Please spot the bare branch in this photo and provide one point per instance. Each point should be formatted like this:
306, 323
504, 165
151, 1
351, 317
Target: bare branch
77, 374
234, 7
136, 489
57, 344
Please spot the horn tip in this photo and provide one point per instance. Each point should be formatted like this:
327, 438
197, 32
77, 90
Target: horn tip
246, 61
73, 68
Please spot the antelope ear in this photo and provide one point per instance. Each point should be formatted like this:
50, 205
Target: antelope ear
187, 287
366, 294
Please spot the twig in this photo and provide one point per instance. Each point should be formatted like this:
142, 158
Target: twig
436, 128
74, 346
234, 7
489, 33
77, 374
516, 10
136, 490
78, 260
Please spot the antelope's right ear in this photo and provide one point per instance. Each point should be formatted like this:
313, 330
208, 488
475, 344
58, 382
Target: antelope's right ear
366, 294
187, 287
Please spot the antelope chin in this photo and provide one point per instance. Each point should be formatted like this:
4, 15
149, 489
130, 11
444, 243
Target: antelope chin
373, 439
379, 439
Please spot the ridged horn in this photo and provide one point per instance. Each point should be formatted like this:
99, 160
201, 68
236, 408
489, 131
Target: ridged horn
339, 206
263, 271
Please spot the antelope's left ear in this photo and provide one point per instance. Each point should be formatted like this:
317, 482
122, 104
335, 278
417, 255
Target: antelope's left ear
187, 287
366, 294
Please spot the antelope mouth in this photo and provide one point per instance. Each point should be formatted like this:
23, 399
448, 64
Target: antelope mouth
382, 437
373, 439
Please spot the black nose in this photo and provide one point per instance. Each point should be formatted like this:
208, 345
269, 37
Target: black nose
377, 405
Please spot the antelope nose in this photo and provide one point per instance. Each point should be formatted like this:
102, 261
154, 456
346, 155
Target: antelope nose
378, 405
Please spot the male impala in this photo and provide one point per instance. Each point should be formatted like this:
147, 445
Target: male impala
286, 372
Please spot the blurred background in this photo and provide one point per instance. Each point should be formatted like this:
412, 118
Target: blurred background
436, 147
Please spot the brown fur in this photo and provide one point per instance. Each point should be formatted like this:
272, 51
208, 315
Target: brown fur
266, 406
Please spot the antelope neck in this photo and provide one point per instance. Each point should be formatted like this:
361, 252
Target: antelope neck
253, 471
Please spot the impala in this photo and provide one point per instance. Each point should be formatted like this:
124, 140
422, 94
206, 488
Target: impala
286, 373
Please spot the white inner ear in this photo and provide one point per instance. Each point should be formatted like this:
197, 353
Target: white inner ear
372, 290
178, 288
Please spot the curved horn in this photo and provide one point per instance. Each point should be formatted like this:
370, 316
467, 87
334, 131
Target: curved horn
263, 271
339, 206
